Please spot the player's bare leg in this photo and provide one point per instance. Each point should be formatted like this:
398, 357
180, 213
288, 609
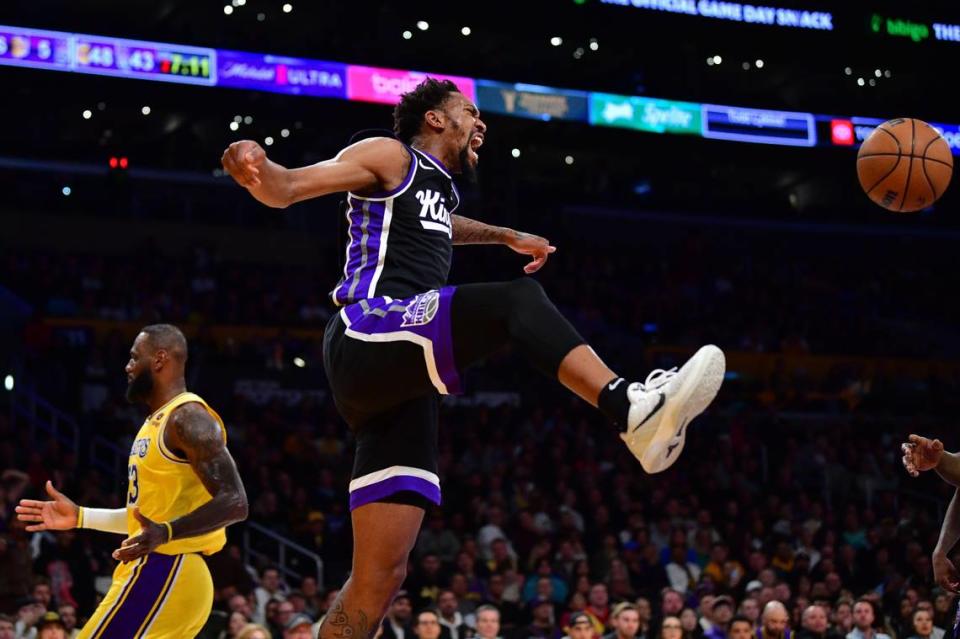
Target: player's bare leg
383, 536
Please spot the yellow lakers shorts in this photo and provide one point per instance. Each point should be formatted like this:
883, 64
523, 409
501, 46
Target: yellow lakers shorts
155, 597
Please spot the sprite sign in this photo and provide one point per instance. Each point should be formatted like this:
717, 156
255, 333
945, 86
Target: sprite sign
645, 114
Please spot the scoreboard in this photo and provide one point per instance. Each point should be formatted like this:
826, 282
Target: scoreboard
107, 56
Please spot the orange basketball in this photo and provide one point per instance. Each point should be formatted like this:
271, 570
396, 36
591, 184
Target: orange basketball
904, 165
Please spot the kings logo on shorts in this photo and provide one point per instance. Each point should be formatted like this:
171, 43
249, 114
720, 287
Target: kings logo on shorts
422, 309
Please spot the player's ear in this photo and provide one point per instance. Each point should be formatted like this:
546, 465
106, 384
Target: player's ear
160, 359
435, 118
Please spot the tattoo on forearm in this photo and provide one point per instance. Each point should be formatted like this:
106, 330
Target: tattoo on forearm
468, 231
342, 628
198, 437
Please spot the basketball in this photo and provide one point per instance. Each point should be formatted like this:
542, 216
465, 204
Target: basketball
905, 165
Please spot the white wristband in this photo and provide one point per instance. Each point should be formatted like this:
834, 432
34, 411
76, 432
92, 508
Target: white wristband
104, 519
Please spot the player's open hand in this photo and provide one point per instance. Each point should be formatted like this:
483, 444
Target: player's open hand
527, 244
59, 514
921, 454
151, 535
242, 160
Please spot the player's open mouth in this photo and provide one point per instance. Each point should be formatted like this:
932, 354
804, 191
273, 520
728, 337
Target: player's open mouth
475, 143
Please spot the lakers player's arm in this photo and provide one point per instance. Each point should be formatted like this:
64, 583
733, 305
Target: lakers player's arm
371, 165
193, 433
468, 231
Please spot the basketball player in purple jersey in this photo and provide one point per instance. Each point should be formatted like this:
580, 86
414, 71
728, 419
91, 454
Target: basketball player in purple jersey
403, 335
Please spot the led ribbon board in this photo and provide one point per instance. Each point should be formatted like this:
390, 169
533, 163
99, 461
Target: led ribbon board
736, 12
645, 114
532, 101
758, 125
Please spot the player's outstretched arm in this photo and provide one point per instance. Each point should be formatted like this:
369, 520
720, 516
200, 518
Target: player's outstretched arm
193, 431
61, 513
368, 165
921, 454
468, 231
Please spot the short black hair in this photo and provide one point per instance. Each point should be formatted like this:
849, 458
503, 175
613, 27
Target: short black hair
169, 338
431, 611
740, 619
408, 114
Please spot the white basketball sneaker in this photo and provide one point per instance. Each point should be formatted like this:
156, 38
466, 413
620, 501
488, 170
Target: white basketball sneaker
662, 407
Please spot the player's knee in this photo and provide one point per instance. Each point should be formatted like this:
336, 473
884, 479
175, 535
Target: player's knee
524, 290
385, 578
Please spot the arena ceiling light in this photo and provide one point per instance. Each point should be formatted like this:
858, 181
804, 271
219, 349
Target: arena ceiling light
145, 110
228, 9
466, 31
268, 141
287, 8
87, 114
556, 41
234, 126
759, 63
594, 45
407, 34
515, 153
423, 25
284, 133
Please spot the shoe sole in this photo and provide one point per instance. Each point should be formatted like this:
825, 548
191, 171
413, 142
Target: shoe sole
700, 386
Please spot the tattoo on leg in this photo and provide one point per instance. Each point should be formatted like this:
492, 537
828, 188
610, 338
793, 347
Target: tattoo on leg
343, 628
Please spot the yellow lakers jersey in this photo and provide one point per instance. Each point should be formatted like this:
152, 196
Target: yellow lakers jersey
163, 485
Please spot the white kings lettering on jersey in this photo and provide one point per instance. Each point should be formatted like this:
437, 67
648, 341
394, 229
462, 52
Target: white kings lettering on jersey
434, 215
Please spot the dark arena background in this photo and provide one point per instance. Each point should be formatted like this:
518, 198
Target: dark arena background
695, 164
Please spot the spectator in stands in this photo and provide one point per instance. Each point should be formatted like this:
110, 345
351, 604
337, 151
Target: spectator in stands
690, 624
29, 611
437, 539
843, 616
285, 612
425, 583
865, 620
682, 573
923, 625
558, 588
488, 622
396, 625
450, 618
741, 628
298, 627
6, 627
271, 587
815, 625
644, 618
625, 622
427, 625
705, 613
254, 631
581, 627
68, 614
308, 586
598, 608
722, 613
671, 602
511, 614
749, 608
542, 624
927, 605
236, 622
492, 531
270, 618
50, 626
670, 628
774, 622
241, 604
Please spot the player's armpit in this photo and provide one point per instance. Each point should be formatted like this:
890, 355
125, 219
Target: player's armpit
372, 165
193, 432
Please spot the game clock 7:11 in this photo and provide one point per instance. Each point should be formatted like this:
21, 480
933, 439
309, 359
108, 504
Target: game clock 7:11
113, 56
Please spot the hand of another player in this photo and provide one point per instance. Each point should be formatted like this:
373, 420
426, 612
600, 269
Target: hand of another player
945, 573
527, 244
921, 454
242, 160
59, 514
151, 535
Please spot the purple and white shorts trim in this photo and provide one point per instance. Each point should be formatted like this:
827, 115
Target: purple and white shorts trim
383, 483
